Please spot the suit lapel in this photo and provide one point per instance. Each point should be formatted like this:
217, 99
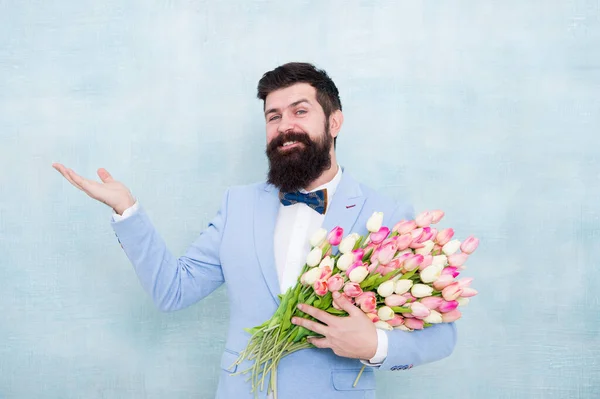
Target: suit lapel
345, 206
344, 209
265, 217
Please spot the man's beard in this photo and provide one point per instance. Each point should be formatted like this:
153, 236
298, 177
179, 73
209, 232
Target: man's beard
293, 169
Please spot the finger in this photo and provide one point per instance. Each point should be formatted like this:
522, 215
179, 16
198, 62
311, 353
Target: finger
64, 171
104, 175
320, 342
310, 325
90, 187
346, 305
317, 313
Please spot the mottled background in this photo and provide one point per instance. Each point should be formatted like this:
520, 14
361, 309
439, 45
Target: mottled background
490, 111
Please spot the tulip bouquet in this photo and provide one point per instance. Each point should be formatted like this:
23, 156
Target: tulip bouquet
403, 278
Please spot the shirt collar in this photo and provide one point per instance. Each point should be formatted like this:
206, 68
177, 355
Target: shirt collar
331, 186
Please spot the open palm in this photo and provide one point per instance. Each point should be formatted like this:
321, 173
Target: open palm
110, 192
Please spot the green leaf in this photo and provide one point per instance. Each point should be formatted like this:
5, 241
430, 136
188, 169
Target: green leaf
400, 309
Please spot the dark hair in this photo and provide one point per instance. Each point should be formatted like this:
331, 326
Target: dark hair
302, 72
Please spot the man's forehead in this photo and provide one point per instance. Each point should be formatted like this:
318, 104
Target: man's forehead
288, 95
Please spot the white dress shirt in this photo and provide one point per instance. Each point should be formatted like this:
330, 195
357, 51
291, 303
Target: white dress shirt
294, 226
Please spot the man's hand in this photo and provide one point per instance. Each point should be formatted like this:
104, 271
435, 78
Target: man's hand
353, 336
109, 192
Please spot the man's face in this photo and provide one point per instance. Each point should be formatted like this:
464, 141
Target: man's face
298, 138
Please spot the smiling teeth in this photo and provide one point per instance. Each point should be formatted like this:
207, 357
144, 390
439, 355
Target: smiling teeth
289, 143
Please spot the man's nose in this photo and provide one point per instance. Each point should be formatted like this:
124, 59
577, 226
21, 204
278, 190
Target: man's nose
285, 125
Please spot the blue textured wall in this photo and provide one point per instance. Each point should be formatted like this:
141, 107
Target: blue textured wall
489, 111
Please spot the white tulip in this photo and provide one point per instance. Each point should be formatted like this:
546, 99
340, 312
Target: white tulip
431, 273
462, 301
357, 275
318, 237
311, 276
434, 317
314, 257
426, 250
347, 244
402, 286
386, 289
382, 325
421, 290
402, 327
385, 313
344, 261
327, 261
451, 247
375, 221
439, 260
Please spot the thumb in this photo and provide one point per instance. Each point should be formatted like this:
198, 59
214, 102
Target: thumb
104, 175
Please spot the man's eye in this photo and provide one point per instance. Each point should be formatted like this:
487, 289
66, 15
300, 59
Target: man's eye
273, 118
300, 112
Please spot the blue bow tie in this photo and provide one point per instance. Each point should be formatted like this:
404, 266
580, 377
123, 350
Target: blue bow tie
317, 200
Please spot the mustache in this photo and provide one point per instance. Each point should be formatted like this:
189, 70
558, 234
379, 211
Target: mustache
278, 141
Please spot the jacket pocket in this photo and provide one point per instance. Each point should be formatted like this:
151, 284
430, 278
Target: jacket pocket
228, 359
343, 380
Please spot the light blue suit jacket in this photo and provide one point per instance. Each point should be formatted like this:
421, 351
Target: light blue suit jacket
237, 248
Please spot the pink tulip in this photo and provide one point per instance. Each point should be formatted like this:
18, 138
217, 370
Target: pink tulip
469, 245
427, 234
377, 238
320, 287
451, 316
437, 249
450, 271
424, 219
358, 254
373, 316
325, 273
403, 241
427, 260
386, 253
444, 236
416, 234
436, 216
373, 266
395, 300
413, 262
414, 324
381, 269
458, 259
353, 266
468, 292
465, 282
419, 310
367, 302
353, 290
452, 291
395, 264
409, 297
396, 321
405, 226
442, 282
375, 254
447, 306
335, 283
335, 236
432, 302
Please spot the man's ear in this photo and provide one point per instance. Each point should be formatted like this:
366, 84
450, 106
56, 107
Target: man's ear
336, 119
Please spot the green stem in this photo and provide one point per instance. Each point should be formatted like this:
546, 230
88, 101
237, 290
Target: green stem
358, 376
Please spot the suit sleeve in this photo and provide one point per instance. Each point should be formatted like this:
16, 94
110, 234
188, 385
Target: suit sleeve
173, 283
407, 349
